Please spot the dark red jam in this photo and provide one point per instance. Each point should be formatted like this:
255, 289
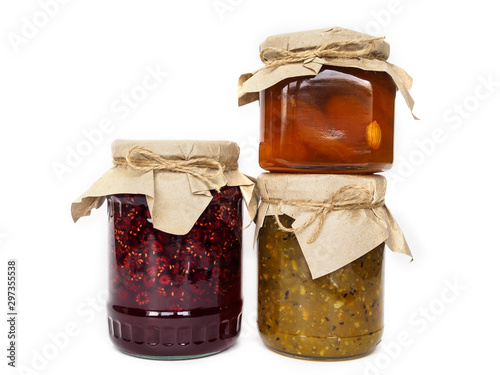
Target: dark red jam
175, 296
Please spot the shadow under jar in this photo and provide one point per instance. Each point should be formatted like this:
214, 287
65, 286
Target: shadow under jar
175, 296
339, 121
336, 316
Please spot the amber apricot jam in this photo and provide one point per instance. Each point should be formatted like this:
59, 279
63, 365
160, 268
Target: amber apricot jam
339, 121
336, 316
175, 296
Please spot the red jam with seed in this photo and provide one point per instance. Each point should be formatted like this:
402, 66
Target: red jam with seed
175, 296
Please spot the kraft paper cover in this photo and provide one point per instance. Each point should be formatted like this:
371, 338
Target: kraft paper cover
175, 200
250, 84
345, 235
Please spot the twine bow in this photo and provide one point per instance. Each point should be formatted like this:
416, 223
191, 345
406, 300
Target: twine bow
346, 49
141, 158
349, 197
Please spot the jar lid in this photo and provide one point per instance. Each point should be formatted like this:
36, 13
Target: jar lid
343, 40
317, 187
221, 151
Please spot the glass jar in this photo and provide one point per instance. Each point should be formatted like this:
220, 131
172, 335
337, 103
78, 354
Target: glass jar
175, 296
336, 316
339, 121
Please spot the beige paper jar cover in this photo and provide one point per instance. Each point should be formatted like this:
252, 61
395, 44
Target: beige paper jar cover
176, 196
303, 54
338, 218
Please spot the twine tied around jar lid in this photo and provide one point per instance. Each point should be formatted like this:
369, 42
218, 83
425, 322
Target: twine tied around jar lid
172, 175
349, 197
143, 159
356, 48
305, 53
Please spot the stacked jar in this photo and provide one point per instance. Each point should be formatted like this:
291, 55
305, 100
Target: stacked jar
327, 125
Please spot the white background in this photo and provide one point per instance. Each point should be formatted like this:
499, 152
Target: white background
65, 77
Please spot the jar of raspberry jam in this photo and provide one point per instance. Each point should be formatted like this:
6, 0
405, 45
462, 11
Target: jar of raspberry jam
326, 102
177, 296
175, 241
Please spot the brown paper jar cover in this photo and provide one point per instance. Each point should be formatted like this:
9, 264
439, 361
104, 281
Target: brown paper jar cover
345, 234
326, 101
176, 200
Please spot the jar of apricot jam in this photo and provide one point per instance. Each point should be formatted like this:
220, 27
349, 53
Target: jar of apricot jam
339, 121
175, 296
326, 102
337, 316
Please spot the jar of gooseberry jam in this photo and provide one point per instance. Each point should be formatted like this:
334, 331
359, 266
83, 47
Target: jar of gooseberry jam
339, 121
175, 296
321, 241
336, 316
175, 242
